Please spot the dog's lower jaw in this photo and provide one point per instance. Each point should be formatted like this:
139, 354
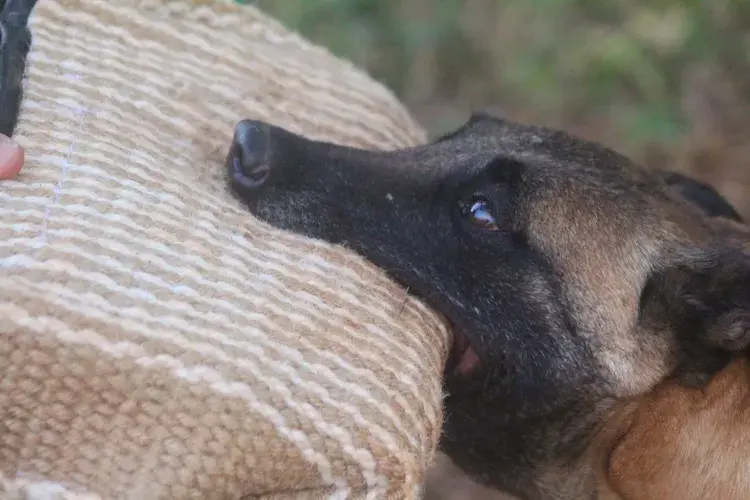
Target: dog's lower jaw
583, 477
584, 481
579, 481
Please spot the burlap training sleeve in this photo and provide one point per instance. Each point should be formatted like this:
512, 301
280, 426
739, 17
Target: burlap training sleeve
157, 341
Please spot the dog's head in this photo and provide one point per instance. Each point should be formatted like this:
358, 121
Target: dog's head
573, 278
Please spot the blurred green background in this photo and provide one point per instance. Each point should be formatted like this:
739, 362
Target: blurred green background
665, 81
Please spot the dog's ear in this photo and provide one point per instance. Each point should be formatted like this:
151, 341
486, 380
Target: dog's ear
474, 118
704, 300
700, 194
683, 443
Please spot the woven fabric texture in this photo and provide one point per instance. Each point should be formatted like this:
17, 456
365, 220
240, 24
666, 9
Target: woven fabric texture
157, 341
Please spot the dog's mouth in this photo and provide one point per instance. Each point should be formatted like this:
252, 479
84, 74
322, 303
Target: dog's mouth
463, 361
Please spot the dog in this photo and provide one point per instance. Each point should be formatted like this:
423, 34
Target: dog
576, 283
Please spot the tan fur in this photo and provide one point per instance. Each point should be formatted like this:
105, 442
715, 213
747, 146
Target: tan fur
677, 442
603, 267
603, 280
688, 444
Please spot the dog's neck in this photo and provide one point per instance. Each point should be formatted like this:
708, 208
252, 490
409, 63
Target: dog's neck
684, 443
675, 443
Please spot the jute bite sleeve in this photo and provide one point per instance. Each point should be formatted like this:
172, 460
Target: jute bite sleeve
157, 341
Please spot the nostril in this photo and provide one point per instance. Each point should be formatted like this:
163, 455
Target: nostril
249, 173
248, 159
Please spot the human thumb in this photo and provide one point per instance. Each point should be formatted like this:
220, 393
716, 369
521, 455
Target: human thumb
11, 158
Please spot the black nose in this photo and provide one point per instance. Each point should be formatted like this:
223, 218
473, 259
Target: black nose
248, 161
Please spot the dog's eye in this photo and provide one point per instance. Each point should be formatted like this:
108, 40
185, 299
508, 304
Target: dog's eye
478, 211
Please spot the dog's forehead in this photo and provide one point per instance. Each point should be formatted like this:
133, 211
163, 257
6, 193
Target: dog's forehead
508, 134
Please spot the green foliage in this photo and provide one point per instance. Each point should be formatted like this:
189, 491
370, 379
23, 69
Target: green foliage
586, 62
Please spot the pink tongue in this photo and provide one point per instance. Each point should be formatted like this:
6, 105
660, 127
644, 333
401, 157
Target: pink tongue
468, 362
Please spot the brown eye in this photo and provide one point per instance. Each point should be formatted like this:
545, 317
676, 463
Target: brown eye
479, 212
